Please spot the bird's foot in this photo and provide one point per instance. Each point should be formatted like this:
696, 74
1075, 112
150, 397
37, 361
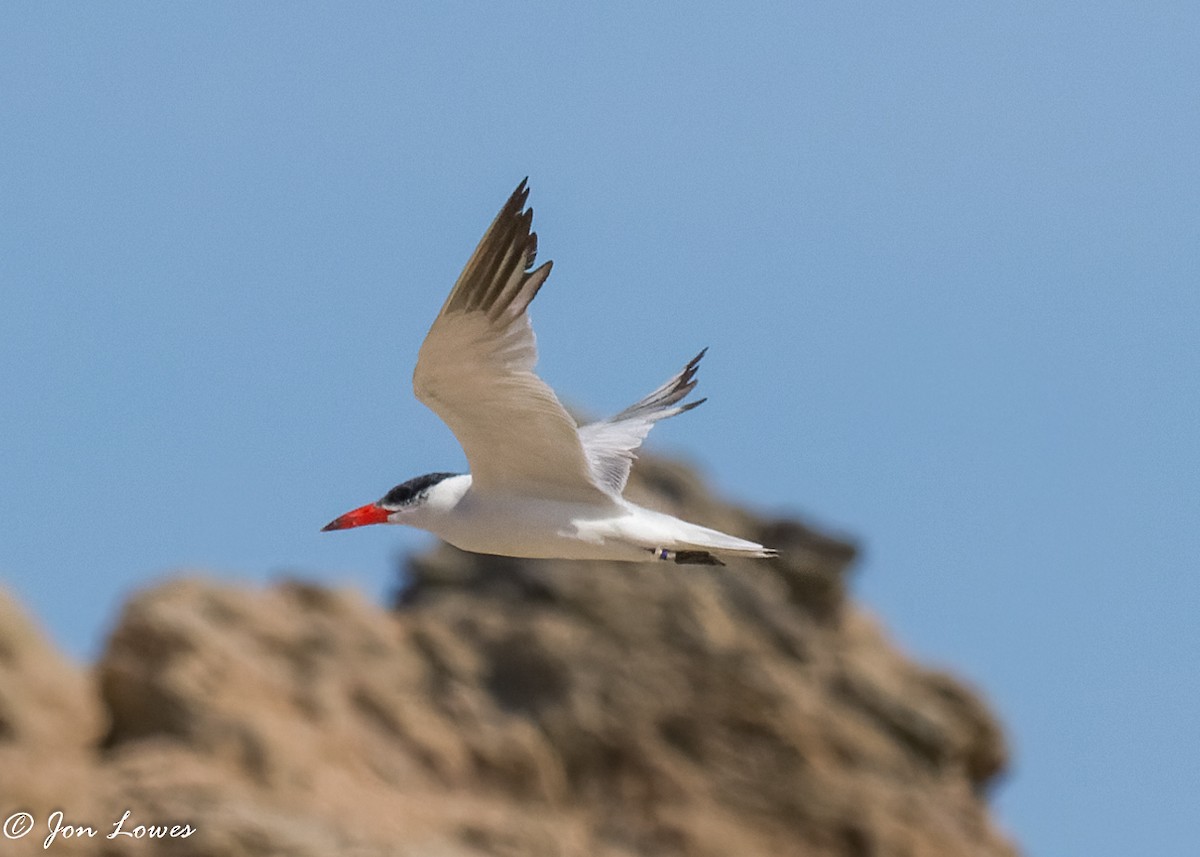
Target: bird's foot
686, 557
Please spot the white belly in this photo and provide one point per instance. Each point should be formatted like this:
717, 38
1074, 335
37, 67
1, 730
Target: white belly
525, 527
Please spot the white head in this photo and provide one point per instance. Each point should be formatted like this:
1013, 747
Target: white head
397, 506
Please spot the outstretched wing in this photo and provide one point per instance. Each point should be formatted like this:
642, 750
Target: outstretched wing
609, 444
475, 371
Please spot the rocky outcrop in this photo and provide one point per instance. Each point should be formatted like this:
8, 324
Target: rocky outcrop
510, 708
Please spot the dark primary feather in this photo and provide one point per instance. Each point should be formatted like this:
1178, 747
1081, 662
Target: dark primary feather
494, 279
668, 394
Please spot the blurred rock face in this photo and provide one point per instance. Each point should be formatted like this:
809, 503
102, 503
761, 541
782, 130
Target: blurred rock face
510, 707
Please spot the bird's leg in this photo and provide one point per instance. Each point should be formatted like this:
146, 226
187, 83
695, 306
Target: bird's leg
662, 553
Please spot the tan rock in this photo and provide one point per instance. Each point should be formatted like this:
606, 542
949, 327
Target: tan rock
514, 708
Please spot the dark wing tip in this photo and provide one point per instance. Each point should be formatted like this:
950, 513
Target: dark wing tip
525, 226
531, 249
515, 204
497, 278
521, 194
686, 382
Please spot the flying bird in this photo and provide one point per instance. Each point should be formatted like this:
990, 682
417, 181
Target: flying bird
540, 485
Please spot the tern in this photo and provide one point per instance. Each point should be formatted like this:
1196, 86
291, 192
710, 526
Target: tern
540, 485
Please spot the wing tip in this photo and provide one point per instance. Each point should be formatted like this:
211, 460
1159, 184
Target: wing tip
520, 196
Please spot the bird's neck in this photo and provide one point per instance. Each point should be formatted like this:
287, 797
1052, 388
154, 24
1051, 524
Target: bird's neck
445, 495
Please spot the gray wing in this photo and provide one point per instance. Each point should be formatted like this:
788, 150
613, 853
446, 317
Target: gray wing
609, 444
475, 371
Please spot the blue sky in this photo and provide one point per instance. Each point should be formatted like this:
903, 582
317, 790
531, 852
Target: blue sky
946, 261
